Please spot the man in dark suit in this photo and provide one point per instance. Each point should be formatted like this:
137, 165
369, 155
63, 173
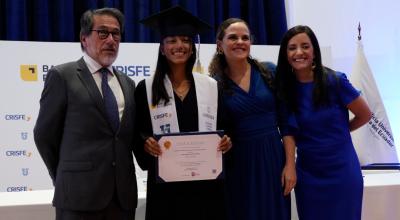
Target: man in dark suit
85, 128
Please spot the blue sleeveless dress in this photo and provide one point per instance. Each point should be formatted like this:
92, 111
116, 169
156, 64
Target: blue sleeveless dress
329, 184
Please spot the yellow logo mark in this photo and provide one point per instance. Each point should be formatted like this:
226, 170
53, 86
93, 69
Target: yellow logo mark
29, 72
167, 145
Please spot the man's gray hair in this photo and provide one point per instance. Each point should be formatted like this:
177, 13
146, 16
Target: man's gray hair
87, 19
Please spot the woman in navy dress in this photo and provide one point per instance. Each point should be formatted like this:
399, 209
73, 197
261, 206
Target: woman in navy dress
329, 184
260, 171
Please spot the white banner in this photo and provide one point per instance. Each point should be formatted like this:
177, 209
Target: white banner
374, 141
24, 69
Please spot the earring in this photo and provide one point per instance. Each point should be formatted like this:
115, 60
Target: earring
220, 51
313, 65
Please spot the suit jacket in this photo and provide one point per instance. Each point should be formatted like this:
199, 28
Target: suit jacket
86, 160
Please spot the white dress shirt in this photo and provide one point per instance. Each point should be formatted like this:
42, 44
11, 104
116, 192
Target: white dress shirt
94, 68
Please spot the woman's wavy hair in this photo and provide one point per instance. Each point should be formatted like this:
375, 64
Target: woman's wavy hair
286, 78
162, 69
218, 64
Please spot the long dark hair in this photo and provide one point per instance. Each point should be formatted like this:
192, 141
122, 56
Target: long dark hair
286, 79
162, 68
218, 63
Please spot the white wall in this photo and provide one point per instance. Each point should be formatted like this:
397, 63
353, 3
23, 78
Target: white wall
335, 23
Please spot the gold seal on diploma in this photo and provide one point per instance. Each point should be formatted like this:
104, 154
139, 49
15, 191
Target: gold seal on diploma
167, 145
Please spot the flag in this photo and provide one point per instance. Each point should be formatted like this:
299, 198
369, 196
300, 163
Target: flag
374, 141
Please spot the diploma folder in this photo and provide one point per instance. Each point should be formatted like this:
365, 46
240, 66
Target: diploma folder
381, 166
191, 175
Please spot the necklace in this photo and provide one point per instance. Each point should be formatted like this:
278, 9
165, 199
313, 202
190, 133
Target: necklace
182, 89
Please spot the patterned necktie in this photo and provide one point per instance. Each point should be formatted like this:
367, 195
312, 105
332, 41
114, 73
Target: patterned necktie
110, 102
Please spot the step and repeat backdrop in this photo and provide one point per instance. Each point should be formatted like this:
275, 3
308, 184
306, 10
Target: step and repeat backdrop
24, 69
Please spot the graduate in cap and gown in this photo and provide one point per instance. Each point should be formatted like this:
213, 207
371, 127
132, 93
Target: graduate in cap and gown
186, 98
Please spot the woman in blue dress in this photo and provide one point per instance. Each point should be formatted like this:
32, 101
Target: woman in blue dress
329, 184
260, 170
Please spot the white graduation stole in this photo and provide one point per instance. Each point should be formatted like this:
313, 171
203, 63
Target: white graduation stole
164, 118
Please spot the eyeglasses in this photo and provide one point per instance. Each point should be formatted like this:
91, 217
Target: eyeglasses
103, 34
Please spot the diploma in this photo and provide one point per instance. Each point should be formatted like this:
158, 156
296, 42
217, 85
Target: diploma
189, 156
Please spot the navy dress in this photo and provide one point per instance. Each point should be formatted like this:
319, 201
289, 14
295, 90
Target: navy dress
329, 184
255, 162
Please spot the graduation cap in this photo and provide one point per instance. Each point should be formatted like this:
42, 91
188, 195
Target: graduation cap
176, 21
